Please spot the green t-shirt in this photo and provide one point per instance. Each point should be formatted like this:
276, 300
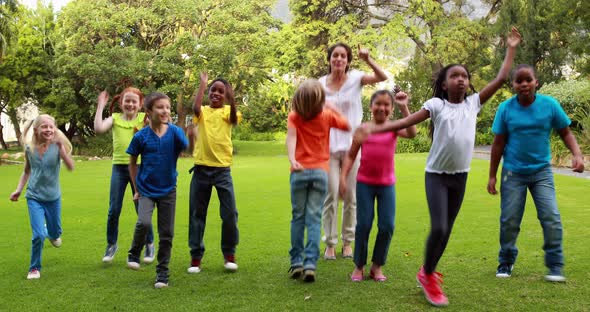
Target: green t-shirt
123, 131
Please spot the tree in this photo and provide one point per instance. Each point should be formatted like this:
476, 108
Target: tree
8, 9
155, 45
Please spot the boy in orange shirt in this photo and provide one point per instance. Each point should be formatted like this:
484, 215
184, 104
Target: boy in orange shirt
308, 134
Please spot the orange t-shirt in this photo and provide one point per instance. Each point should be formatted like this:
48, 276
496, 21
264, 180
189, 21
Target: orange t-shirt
313, 137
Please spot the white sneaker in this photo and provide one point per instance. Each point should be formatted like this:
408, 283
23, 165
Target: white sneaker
34, 274
160, 285
555, 278
133, 265
149, 254
56, 242
231, 266
194, 269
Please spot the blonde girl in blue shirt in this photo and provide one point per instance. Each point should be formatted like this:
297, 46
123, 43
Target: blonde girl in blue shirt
42, 165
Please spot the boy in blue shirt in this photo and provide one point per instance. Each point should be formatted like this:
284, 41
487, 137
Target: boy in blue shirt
523, 127
159, 145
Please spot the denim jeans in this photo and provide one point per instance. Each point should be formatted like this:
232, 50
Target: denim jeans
119, 180
204, 178
365, 213
41, 214
308, 192
166, 212
513, 191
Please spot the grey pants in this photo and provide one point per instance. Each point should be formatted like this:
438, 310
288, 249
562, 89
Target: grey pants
166, 212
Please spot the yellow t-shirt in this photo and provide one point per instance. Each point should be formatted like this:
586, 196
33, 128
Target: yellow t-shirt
213, 146
123, 131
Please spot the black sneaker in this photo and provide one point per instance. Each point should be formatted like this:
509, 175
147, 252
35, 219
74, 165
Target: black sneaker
295, 272
109, 254
504, 270
309, 276
555, 275
161, 282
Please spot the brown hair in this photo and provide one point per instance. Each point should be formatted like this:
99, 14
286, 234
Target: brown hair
309, 99
348, 55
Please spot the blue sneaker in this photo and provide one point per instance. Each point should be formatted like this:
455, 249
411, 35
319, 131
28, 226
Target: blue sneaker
504, 270
555, 275
109, 254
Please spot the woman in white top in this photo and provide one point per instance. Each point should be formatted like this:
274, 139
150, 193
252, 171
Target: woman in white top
343, 89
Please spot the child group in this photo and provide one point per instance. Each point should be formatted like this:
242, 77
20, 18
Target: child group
324, 138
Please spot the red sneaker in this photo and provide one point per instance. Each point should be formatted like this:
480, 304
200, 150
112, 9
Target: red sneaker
430, 284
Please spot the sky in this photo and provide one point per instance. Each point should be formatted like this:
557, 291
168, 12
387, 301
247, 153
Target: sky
57, 4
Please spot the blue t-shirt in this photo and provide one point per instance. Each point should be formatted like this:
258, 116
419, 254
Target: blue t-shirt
157, 172
44, 179
527, 130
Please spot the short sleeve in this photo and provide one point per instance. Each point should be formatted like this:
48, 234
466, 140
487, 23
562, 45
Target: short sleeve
134, 148
180, 138
357, 76
499, 125
475, 102
433, 106
292, 120
560, 119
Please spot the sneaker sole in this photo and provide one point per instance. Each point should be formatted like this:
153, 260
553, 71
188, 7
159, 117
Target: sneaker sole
134, 267
148, 260
503, 275
159, 285
194, 270
428, 299
107, 259
555, 279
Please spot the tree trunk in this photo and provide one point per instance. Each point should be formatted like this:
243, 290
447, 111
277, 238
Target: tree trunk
180, 111
13, 115
4, 146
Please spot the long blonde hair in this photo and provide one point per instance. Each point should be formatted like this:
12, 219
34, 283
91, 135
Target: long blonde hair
33, 141
309, 99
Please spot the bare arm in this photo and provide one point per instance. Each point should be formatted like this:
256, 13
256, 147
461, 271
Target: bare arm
489, 90
495, 156
347, 165
401, 100
192, 135
378, 73
67, 158
133, 175
102, 125
570, 141
21, 182
291, 145
200, 94
233, 112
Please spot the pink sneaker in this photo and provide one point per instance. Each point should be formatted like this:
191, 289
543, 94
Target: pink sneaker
430, 284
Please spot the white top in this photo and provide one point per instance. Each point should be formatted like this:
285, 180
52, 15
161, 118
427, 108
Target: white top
348, 100
454, 134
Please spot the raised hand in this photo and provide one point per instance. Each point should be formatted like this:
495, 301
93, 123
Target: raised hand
103, 98
204, 78
401, 99
363, 53
514, 38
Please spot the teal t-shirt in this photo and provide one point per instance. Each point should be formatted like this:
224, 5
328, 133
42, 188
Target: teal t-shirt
44, 179
528, 130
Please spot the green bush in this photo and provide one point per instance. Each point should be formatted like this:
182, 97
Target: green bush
98, 145
419, 144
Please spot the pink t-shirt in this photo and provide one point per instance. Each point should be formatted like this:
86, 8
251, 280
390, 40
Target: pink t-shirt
377, 162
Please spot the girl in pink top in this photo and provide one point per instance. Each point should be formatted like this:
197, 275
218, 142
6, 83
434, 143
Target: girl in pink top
376, 180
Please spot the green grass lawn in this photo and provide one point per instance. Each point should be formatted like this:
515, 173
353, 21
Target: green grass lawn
74, 278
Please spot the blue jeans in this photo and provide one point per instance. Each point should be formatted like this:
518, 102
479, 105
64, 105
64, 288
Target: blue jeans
365, 213
43, 213
204, 178
119, 180
514, 190
308, 192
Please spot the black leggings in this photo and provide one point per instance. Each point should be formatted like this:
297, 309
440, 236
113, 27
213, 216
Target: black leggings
444, 193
